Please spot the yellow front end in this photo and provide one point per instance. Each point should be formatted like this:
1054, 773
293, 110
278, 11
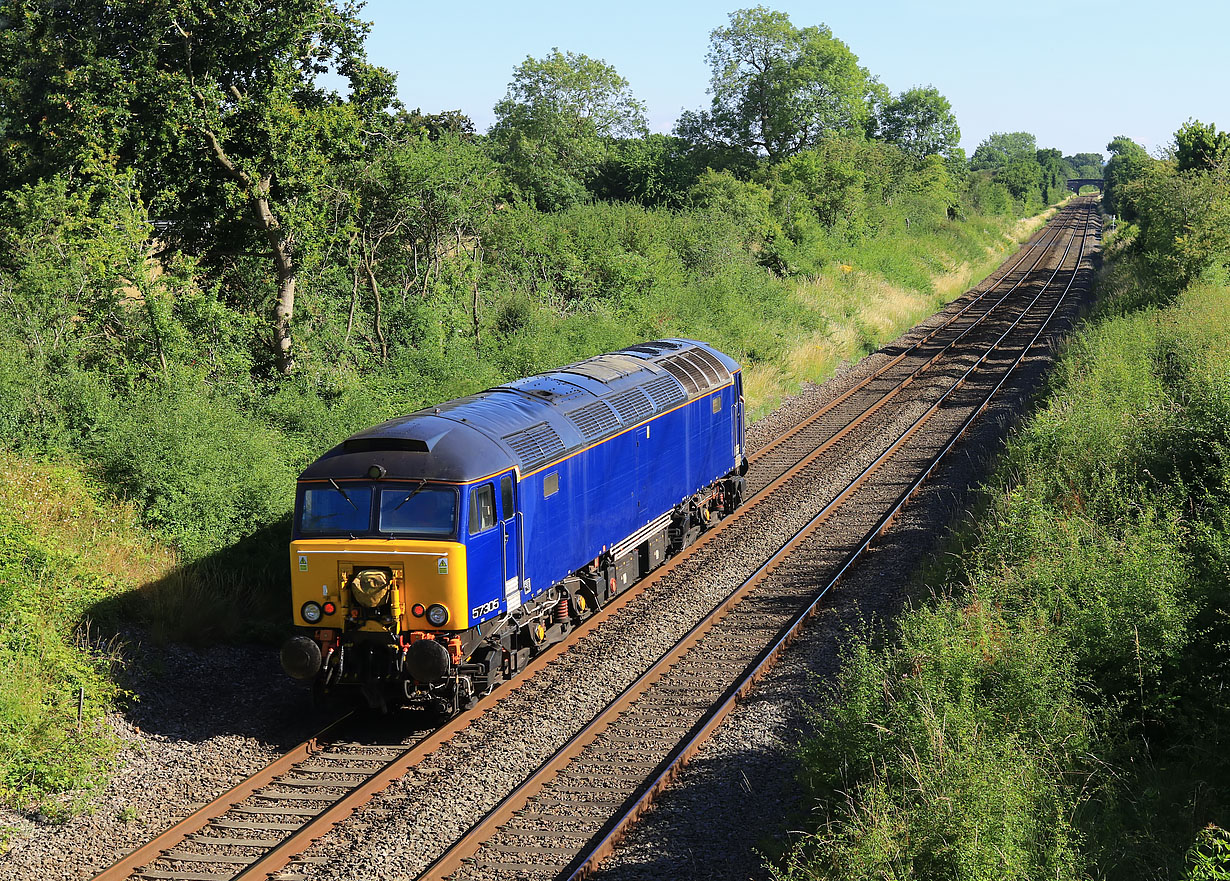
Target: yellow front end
424, 573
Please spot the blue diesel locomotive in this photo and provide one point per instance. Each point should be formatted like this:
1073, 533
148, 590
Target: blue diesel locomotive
435, 554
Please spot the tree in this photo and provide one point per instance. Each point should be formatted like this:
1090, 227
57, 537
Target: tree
437, 125
1002, 149
1128, 162
1086, 165
1055, 174
778, 89
556, 123
655, 170
402, 212
1200, 147
921, 122
220, 110
1183, 217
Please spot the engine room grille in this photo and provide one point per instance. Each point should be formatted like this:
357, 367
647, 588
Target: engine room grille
535, 445
691, 378
664, 392
696, 369
632, 405
713, 365
594, 419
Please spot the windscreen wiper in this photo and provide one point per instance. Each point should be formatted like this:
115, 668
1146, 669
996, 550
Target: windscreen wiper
333, 483
414, 492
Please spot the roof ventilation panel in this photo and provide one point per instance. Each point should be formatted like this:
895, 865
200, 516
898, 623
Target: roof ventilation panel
632, 405
665, 392
535, 445
689, 377
594, 420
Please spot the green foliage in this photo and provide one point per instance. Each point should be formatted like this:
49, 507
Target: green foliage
417, 211
1127, 162
949, 747
920, 121
778, 89
984, 195
1209, 858
222, 118
1201, 147
1004, 149
1181, 209
52, 659
553, 128
1086, 165
654, 170
1030, 176
1057, 710
203, 473
74, 278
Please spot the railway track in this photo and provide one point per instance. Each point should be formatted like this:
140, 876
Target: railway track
265, 824
630, 751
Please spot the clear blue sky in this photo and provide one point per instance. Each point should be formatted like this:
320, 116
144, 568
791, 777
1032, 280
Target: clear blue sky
1074, 74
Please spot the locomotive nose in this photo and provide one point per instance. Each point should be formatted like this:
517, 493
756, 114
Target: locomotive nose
301, 657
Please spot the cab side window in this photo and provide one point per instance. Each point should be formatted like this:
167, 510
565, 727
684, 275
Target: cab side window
506, 496
482, 508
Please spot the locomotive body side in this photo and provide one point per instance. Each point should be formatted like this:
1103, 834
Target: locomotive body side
579, 508
435, 554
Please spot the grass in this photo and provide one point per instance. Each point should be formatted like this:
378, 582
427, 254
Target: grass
1055, 709
66, 550
859, 309
76, 565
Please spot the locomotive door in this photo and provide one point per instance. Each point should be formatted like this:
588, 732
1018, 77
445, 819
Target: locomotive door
640, 468
737, 422
510, 522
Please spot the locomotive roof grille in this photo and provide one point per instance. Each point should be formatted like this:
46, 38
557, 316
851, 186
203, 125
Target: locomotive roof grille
535, 445
594, 420
691, 378
719, 370
696, 369
632, 405
665, 392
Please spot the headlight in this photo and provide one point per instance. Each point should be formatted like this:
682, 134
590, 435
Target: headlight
437, 615
311, 612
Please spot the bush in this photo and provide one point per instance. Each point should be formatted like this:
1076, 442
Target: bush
1058, 712
202, 472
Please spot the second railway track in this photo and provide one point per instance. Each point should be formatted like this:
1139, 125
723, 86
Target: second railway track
268, 827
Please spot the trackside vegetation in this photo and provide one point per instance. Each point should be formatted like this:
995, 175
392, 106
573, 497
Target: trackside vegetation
214, 266
1057, 708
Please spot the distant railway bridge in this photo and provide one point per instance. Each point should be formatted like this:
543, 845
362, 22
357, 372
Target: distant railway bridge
1076, 183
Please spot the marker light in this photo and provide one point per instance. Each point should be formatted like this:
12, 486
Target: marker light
437, 615
330, 608
310, 612
417, 610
